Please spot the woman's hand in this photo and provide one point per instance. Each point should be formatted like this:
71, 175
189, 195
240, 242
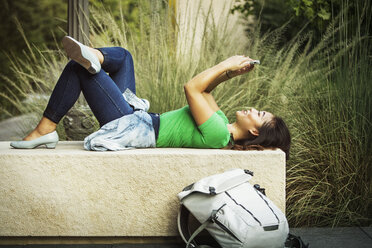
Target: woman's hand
236, 63
242, 71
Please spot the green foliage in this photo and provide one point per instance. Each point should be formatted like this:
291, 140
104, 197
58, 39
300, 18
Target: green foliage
267, 15
41, 21
271, 14
295, 16
312, 8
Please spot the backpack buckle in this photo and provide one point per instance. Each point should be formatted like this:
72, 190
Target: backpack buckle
248, 172
212, 191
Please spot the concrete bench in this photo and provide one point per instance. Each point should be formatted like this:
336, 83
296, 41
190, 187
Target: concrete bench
71, 192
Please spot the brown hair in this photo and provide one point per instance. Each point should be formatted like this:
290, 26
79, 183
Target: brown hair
272, 134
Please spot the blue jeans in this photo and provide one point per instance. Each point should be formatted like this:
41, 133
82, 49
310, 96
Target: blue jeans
102, 91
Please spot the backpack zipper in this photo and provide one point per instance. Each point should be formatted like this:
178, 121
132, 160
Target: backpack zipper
223, 227
259, 193
214, 219
259, 222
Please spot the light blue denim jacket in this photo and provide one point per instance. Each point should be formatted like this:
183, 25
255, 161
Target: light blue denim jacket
129, 131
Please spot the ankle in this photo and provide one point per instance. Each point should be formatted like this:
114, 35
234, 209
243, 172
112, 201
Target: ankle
44, 130
45, 126
98, 54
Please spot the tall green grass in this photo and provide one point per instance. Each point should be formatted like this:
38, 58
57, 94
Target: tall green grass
329, 177
321, 90
36, 73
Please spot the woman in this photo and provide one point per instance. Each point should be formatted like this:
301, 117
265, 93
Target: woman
110, 94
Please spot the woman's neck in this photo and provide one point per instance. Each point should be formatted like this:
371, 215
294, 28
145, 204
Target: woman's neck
237, 132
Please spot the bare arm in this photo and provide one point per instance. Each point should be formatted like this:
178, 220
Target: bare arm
222, 78
197, 90
228, 75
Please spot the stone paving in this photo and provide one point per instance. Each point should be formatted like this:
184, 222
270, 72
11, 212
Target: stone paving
342, 237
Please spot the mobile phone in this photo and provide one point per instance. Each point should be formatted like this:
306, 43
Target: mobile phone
254, 62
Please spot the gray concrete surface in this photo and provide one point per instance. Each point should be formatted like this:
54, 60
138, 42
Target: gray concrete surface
343, 237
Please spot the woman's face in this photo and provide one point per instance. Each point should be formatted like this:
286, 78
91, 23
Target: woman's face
252, 119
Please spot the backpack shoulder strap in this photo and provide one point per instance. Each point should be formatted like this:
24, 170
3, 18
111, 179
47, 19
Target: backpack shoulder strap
295, 242
197, 231
202, 227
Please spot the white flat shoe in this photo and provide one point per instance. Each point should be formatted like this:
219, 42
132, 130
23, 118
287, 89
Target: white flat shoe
81, 54
50, 140
135, 102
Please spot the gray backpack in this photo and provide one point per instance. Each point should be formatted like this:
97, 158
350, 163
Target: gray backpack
231, 213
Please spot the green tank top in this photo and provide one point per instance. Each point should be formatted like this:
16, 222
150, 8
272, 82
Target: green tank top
178, 129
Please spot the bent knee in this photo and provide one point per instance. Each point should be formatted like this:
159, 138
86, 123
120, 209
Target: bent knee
127, 53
